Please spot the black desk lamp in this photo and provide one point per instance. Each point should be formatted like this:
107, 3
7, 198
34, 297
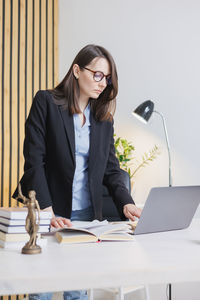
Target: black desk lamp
143, 112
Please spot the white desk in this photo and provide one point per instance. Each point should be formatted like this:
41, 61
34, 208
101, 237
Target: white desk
153, 258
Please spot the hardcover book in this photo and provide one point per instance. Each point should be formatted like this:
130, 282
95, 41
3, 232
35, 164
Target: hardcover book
21, 228
21, 213
83, 232
14, 237
7, 221
20, 244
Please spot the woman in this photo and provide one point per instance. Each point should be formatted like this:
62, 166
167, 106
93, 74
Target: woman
69, 147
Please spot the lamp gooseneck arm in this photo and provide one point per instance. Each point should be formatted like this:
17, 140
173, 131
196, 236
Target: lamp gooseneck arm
168, 146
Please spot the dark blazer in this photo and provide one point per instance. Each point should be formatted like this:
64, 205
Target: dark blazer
49, 151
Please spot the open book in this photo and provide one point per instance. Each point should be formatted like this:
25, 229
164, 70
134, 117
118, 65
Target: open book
82, 232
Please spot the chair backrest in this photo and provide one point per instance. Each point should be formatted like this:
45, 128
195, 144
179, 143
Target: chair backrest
109, 210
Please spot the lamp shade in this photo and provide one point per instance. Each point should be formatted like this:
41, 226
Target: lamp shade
144, 111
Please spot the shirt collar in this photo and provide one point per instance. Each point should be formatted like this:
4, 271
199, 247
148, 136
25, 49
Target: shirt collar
87, 114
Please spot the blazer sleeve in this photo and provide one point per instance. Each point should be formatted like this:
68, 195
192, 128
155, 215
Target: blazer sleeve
113, 179
34, 177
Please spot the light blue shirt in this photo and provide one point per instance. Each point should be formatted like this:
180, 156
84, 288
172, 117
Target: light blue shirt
80, 188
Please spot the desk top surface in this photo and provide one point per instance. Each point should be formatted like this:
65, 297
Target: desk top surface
151, 258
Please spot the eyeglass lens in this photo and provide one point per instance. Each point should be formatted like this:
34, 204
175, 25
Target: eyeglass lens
98, 76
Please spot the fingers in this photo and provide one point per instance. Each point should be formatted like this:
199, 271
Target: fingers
55, 223
138, 212
130, 210
129, 215
67, 222
60, 222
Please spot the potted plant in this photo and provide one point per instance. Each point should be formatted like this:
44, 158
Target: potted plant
124, 152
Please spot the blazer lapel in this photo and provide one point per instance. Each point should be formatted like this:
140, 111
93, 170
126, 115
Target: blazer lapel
69, 128
94, 138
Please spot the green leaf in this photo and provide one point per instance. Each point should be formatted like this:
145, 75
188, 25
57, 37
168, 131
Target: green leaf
124, 152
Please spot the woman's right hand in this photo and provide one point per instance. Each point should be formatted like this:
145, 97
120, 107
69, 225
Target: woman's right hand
60, 222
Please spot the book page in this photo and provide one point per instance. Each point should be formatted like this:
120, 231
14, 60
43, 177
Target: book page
97, 228
110, 228
89, 224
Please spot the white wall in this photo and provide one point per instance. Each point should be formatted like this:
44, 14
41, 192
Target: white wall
156, 46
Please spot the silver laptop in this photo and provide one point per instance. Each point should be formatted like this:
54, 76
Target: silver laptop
168, 208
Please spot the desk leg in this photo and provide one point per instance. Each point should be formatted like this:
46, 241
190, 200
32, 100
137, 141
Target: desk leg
91, 294
121, 294
170, 291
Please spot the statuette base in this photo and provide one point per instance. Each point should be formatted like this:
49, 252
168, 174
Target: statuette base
31, 250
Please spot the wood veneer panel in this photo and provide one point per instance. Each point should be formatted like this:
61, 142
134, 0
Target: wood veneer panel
6, 106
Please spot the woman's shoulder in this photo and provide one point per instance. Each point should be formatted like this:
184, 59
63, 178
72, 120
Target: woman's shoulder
43, 94
43, 97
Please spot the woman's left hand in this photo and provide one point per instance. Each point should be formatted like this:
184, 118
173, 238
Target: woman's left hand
131, 211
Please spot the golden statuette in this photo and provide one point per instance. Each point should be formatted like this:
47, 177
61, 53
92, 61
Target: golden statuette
32, 225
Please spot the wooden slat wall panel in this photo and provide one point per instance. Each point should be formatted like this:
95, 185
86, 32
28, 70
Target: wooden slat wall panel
14, 297
6, 104
36, 46
43, 45
55, 42
1, 90
50, 48
28, 62
21, 87
14, 163
29, 41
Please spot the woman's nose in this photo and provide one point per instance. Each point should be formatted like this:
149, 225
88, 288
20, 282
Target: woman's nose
103, 82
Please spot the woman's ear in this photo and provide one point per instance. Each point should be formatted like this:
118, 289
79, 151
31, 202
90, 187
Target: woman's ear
76, 70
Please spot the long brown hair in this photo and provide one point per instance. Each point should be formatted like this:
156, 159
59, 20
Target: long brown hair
67, 92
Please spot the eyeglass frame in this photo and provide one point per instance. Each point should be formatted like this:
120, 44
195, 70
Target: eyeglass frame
94, 72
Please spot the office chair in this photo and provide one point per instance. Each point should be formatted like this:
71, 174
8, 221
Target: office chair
109, 210
110, 213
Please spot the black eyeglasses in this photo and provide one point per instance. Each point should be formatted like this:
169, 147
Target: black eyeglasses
98, 76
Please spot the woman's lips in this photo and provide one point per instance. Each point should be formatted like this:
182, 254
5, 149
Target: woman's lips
98, 91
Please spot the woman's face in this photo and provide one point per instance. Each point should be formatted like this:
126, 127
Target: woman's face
89, 88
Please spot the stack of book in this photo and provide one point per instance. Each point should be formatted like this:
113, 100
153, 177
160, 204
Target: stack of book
12, 227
